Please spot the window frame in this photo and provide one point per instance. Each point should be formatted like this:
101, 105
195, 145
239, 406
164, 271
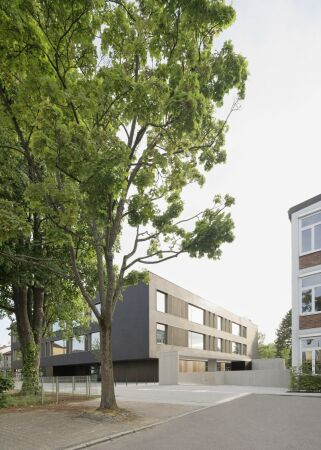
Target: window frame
190, 312
165, 331
59, 340
190, 333
239, 328
313, 350
165, 302
307, 227
305, 288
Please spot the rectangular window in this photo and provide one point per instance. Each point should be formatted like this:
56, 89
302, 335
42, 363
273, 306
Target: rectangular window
311, 354
219, 344
236, 329
95, 341
237, 348
311, 233
219, 322
311, 294
161, 333
161, 300
59, 347
195, 314
78, 344
93, 317
196, 340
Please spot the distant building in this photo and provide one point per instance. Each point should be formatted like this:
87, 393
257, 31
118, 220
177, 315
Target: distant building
155, 317
306, 284
5, 359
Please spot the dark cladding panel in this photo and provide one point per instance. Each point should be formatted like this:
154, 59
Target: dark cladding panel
131, 325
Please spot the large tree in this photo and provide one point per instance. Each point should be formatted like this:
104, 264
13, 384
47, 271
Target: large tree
117, 103
30, 295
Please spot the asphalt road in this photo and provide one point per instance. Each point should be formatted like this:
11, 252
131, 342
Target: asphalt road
254, 422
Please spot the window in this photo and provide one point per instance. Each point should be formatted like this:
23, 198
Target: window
311, 233
93, 317
196, 340
311, 294
219, 344
236, 329
219, 322
78, 344
161, 333
59, 347
237, 348
95, 341
161, 301
195, 314
311, 354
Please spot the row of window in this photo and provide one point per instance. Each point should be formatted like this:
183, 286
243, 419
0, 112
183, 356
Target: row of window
195, 314
197, 340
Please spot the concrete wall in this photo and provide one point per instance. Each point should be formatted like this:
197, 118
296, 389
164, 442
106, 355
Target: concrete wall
268, 378
168, 365
268, 363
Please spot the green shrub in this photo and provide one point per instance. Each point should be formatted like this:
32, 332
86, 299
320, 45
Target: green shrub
303, 381
6, 384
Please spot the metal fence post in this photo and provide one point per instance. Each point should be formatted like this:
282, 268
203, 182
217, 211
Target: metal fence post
57, 389
87, 386
42, 390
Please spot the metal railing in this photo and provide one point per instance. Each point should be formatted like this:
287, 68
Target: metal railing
57, 389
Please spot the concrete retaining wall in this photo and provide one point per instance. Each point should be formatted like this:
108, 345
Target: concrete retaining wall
267, 377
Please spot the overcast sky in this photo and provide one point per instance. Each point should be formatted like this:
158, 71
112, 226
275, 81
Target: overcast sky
273, 163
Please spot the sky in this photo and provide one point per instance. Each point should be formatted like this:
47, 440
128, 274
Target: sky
273, 163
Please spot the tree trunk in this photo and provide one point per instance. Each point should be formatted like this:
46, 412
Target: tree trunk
29, 327
108, 399
30, 369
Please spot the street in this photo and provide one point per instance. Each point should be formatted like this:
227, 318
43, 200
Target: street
253, 422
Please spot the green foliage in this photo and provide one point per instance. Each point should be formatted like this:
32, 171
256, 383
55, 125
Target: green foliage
6, 383
283, 342
266, 350
305, 382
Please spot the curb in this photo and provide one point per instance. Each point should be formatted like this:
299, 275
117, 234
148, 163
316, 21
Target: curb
151, 425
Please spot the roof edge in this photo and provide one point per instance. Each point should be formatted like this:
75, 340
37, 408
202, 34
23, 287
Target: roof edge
304, 204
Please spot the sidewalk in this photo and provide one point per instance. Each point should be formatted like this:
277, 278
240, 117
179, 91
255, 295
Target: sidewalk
47, 429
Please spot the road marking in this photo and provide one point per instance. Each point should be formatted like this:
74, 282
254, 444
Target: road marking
187, 390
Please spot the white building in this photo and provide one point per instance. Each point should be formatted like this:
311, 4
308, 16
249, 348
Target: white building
5, 358
306, 284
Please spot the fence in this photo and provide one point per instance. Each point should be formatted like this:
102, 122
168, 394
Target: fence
58, 389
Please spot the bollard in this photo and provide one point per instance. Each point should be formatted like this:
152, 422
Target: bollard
57, 389
73, 385
42, 391
126, 379
86, 386
89, 386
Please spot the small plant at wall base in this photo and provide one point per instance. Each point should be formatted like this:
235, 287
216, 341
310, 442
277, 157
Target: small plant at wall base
303, 381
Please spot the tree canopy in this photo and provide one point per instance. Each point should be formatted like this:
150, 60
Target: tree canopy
113, 106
